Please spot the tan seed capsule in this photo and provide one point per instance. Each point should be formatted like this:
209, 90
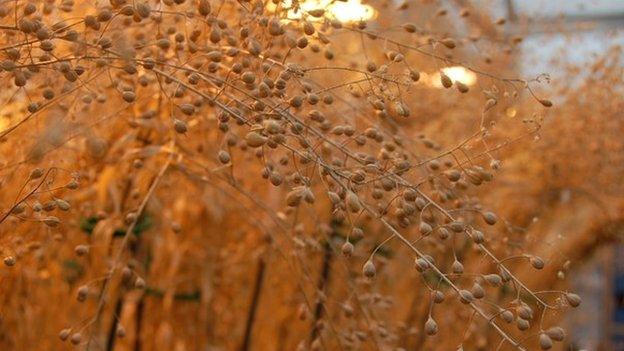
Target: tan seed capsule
128, 96
546, 103
64, 334
353, 202
449, 43
224, 157
507, 316
120, 332
51, 221
425, 229
369, 269
431, 327
75, 338
255, 139
465, 296
139, 283
490, 218
81, 250
9, 261
445, 80
347, 249
573, 299
461, 87
556, 333
545, 341
537, 262
180, 126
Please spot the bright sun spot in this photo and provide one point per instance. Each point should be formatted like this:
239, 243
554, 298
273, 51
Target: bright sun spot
460, 74
344, 11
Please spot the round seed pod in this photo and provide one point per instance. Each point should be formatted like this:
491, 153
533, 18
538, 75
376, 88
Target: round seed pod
353, 202
203, 7
75, 338
507, 316
120, 332
248, 77
545, 341
449, 43
537, 262
461, 87
128, 96
369, 269
63, 205
573, 299
9, 261
409, 27
490, 218
64, 334
457, 267
255, 139
525, 312
445, 80
522, 324
82, 293
81, 250
556, 333
431, 327
139, 283
36, 173
465, 296
293, 198
546, 103
443, 233
180, 126
477, 291
51, 221
493, 279
347, 249
478, 237
425, 229
224, 157
422, 264
187, 109
438, 296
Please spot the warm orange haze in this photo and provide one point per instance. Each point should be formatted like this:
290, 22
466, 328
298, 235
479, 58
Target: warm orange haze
207, 175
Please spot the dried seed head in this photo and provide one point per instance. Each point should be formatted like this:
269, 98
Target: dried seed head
522, 324
81, 250
545, 341
347, 249
546, 103
9, 261
445, 80
128, 96
431, 327
573, 299
465, 296
139, 283
369, 269
477, 291
82, 293
255, 139
180, 126
507, 316
425, 229
449, 43
224, 157
51, 221
353, 202
75, 338
556, 333
490, 218
493, 279
457, 267
537, 262
120, 332
64, 334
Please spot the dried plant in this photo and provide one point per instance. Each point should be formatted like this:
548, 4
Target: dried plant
197, 175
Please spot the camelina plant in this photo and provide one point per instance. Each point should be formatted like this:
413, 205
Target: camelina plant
267, 175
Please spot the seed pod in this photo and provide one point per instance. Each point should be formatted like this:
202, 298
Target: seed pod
507, 316
449, 43
347, 249
422, 264
139, 283
425, 229
293, 198
409, 27
461, 87
490, 218
317, 13
63, 205
369, 269
525, 312
493, 279
478, 237
64, 334
255, 139
224, 157
431, 327
445, 80
556, 333
81, 250
203, 7
438, 296
128, 96
353, 202
187, 109
75, 338
414, 75
120, 332
573, 299
9, 261
545, 341
477, 291
536, 262
465, 296
248, 77
180, 126
82, 293
522, 324
51, 221
457, 267
143, 10
546, 103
